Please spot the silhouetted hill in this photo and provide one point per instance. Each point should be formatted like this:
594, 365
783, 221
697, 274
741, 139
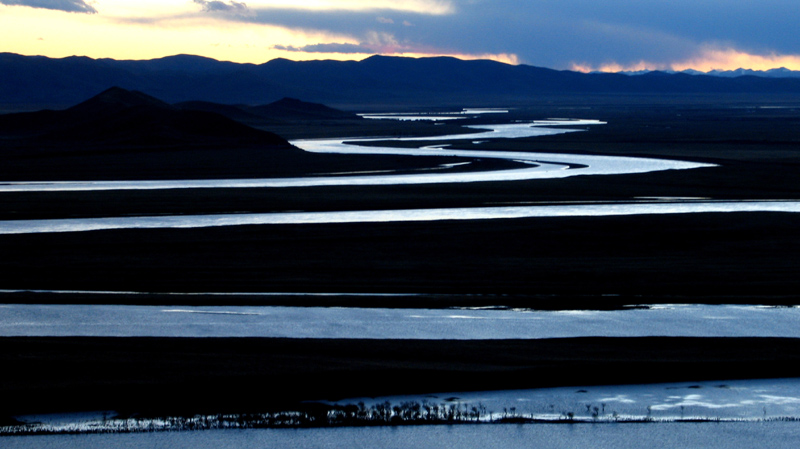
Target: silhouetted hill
378, 81
121, 117
116, 99
293, 109
122, 134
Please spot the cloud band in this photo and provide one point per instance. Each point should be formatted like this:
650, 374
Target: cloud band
79, 6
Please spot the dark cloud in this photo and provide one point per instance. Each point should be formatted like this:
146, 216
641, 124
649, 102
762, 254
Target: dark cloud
60, 5
238, 8
558, 34
327, 48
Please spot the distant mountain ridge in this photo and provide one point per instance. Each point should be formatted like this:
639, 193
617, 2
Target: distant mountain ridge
781, 72
378, 81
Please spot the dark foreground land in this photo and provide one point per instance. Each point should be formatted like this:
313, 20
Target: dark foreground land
695, 258
185, 376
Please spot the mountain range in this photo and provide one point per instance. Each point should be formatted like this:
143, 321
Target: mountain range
378, 82
781, 72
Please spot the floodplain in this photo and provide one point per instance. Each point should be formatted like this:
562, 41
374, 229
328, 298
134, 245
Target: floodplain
747, 152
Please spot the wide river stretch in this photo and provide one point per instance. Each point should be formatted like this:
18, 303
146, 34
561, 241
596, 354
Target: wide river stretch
459, 324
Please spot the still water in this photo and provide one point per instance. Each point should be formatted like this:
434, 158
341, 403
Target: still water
776, 435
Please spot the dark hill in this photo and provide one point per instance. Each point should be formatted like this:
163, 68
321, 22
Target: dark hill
116, 99
122, 134
293, 109
121, 117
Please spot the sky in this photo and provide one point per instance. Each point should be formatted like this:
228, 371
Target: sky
585, 35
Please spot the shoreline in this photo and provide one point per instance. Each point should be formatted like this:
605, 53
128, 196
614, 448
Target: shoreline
338, 418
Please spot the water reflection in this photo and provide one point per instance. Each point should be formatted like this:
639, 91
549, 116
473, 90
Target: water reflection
781, 435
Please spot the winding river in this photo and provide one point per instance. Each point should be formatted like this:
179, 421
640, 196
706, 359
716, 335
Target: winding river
541, 166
